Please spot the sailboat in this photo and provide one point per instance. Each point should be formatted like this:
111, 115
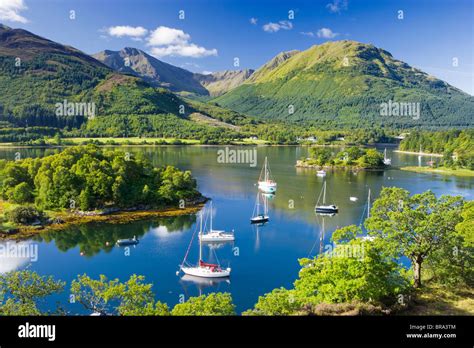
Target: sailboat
387, 161
203, 269
369, 238
216, 235
259, 217
265, 182
325, 209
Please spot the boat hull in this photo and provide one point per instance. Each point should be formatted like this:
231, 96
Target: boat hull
206, 238
323, 210
259, 220
204, 272
267, 187
127, 242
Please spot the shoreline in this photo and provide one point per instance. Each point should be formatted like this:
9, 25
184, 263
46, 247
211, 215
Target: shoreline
72, 219
440, 170
419, 153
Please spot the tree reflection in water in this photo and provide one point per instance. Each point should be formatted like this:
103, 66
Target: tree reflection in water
93, 238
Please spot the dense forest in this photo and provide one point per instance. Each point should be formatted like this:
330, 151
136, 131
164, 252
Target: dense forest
456, 146
87, 178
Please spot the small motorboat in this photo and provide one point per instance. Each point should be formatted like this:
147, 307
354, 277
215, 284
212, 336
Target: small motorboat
128, 241
353, 199
321, 173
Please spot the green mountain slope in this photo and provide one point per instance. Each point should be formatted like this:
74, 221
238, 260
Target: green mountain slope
36, 73
343, 83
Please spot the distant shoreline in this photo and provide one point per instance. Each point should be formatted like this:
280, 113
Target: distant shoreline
419, 153
440, 170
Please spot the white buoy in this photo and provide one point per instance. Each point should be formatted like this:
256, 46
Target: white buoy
177, 272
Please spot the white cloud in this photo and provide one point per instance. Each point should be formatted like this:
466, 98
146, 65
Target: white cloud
10, 11
185, 50
326, 33
307, 33
337, 6
167, 36
274, 27
253, 21
126, 30
166, 41
205, 72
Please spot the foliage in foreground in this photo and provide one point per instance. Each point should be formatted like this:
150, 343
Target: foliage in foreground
21, 292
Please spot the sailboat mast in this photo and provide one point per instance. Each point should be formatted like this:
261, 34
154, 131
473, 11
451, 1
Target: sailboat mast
324, 193
200, 243
368, 205
211, 217
266, 169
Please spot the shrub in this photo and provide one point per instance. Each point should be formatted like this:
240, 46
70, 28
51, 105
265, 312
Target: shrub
24, 215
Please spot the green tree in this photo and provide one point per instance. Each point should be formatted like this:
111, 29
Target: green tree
211, 304
22, 291
278, 302
353, 269
22, 193
109, 297
413, 226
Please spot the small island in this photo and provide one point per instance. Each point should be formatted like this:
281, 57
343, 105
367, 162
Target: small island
86, 183
355, 158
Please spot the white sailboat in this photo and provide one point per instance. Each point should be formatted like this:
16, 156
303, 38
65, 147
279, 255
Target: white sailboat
369, 238
259, 217
387, 161
321, 173
203, 269
265, 183
323, 208
216, 235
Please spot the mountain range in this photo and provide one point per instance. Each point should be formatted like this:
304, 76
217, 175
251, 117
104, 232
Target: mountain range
157, 73
336, 84
347, 83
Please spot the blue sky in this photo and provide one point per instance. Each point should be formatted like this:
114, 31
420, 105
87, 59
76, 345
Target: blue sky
435, 36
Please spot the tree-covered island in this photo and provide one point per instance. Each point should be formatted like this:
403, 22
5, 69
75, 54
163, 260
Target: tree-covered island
350, 158
88, 180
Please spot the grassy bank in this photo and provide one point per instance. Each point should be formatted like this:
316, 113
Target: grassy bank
434, 299
440, 170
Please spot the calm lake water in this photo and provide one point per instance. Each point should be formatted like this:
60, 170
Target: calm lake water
262, 258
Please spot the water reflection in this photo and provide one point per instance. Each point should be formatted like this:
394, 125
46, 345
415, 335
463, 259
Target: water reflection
93, 238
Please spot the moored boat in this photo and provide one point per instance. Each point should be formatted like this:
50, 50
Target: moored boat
265, 183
